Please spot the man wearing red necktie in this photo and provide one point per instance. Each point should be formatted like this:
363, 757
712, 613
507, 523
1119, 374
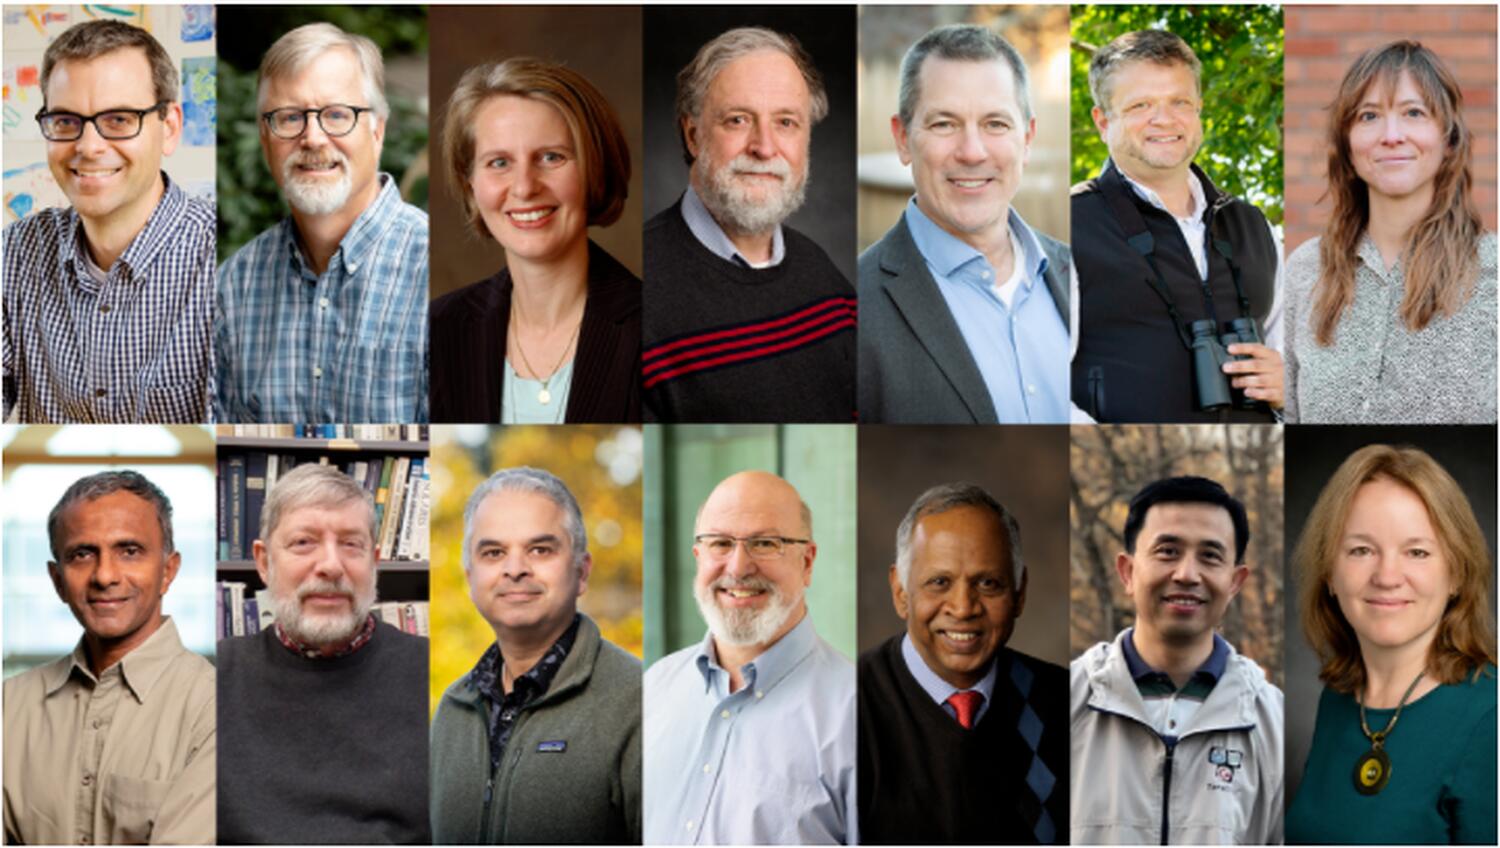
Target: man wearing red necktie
961, 740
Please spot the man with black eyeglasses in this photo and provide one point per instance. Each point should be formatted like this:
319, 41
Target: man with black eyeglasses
108, 303
323, 317
749, 734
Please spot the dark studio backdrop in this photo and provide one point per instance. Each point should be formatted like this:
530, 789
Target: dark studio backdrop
601, 42
1312, 455
673, 35
1024, 468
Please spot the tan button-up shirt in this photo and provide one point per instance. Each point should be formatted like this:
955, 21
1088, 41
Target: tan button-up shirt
128, 757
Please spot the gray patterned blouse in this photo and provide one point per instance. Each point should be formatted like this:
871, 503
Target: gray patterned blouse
1378, 372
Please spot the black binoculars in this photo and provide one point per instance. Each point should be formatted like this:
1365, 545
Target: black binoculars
1211, 386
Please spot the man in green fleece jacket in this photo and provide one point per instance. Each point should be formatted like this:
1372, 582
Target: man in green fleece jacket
541, 741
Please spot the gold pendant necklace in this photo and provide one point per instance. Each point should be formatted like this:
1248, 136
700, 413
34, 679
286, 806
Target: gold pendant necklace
543, 395
1373, 770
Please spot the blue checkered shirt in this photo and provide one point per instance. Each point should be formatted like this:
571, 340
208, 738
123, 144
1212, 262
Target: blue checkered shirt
348, 346
133, 349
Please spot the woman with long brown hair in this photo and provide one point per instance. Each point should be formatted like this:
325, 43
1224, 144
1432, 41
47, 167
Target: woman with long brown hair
1394, 577
1391, 314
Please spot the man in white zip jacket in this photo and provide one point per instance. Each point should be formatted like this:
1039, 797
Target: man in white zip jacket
1177, 738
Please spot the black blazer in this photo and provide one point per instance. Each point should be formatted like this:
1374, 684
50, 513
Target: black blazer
468, 349
914, 367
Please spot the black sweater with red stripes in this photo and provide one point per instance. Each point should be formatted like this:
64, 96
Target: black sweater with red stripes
727, 343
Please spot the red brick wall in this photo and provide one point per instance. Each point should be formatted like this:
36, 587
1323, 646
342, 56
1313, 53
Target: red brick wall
1321, 43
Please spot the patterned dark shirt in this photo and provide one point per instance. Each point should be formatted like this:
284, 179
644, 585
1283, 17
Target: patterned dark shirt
503, 708
313, 652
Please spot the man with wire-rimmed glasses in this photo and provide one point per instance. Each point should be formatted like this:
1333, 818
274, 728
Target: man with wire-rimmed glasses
749, 734
108, 301
323, 317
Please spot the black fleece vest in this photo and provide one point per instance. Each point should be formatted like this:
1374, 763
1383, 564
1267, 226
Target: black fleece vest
1131, 364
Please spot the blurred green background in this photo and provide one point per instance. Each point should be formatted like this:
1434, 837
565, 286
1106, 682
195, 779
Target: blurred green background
1241, 49
248, 200
601, 466
684, 463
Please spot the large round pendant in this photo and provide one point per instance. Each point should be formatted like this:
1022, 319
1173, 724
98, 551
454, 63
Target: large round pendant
1372, 772
544, 397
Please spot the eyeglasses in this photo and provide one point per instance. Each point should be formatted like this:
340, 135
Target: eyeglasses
113, 124
336, 121
758, 547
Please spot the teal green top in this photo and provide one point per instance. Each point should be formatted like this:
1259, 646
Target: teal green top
519, 402
1442, 783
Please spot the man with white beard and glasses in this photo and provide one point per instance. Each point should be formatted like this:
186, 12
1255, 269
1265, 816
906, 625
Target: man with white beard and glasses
749, 734
322, 716
745, 320
323, 317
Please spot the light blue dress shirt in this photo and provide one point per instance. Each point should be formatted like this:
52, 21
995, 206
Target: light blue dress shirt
1022, 350
772, 763
706, 230
941, 690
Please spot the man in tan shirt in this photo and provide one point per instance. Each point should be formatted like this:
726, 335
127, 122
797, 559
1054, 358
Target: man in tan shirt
114, 743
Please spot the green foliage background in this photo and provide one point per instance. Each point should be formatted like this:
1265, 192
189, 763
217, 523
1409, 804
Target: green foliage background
1241, 51
247, 196
582, 456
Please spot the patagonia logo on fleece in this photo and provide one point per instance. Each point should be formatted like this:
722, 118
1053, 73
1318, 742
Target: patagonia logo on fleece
555, 746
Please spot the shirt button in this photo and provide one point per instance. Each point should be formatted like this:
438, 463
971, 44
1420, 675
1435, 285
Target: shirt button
323, 302
88, 780
984, 275
104, 308
98, 722
83, 840
724, 714
689, 825
1172, 723
759, 695
317, 372
707, 767
1031, 389
100, 393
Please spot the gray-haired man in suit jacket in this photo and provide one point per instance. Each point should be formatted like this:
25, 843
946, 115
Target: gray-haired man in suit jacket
963, 308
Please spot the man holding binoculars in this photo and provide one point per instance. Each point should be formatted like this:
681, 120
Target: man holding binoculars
1178, 283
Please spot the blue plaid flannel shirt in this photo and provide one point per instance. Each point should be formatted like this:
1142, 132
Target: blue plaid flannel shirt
134, 349
347, 347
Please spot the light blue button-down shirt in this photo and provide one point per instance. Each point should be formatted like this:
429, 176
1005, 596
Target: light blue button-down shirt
1022, 350
701, 223
941, 690
772, 763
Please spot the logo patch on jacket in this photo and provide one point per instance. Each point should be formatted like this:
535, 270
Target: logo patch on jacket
1225, 762
555, 746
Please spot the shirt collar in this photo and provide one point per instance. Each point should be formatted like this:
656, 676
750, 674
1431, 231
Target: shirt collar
766, 670
363, 237
160, 230
314, 652
1195, 186
947, 253
485, 676
712, 236
936, 687
1213, 667
140, 668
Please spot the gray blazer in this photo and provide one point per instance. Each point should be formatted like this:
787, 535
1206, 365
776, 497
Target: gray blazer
914, 367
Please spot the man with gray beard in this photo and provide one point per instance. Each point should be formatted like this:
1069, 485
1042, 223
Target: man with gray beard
323, 317
749, 734
328, 692
745, 320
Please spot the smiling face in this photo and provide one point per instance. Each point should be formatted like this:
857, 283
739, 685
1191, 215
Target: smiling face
528, 180
967, 146
748, 601
110, 181
320, 174
1396, 143
750, 142
521, 573
961, 602
113, 569
1182, 573
319, 566
1389, 575
1152, 126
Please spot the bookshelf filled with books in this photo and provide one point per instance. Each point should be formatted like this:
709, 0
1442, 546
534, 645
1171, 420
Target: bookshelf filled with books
389, 461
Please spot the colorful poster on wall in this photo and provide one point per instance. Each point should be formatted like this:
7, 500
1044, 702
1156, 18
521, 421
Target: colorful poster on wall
199, 100
22, 97
29, 188
197, 23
